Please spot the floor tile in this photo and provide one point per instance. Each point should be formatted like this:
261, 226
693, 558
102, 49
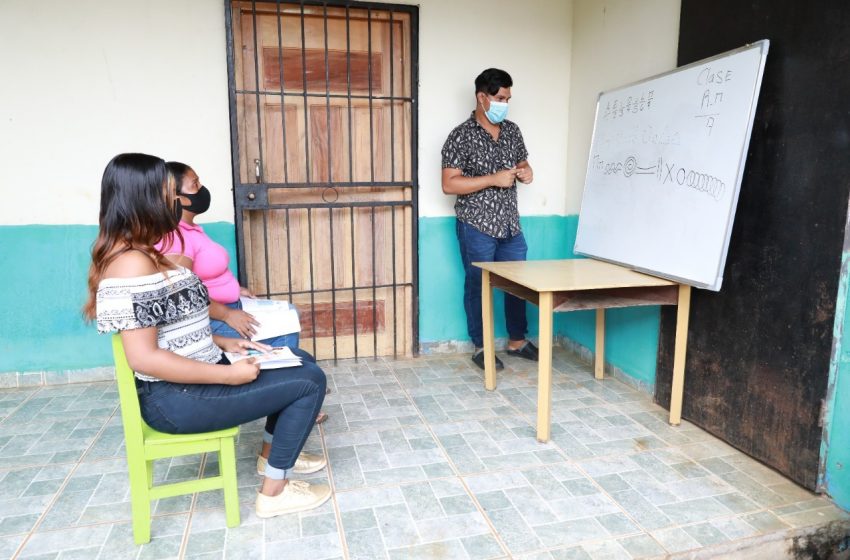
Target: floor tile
425, 464
44, 542
675, 539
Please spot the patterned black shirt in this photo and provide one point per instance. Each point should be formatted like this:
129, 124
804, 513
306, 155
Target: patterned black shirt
471, 149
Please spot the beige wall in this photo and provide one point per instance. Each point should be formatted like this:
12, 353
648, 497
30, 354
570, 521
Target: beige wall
85, 80
531, 40
615, 42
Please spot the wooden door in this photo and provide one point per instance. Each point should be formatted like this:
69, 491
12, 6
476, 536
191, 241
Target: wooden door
324, 130
759, 351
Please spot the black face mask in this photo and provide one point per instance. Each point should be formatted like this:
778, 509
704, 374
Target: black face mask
177, 209
199, 202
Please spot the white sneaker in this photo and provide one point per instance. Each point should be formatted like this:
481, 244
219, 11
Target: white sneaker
307, 463
297, 496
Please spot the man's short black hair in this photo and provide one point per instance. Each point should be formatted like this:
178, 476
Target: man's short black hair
492, 80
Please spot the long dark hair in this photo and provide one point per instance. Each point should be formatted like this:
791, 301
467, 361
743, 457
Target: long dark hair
137, 195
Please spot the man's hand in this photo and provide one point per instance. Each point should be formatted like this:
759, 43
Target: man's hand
505, 178
525, 174
242, 322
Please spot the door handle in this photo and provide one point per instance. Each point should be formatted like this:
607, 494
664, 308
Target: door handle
257, 169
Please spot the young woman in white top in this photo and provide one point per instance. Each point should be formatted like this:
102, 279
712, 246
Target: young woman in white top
185, 383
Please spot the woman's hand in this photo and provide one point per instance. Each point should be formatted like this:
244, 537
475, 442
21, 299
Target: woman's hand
243, 371
240, 345
242, 322
245, 292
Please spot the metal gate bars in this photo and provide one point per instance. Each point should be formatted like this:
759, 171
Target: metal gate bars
323, 134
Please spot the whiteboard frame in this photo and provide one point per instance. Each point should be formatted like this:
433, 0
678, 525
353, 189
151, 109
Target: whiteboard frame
763, 46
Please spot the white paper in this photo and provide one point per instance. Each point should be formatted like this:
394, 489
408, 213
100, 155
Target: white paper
277, 358
276, 317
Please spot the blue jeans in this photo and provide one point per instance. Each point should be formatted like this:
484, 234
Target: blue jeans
220, 328
289, 399
480, 247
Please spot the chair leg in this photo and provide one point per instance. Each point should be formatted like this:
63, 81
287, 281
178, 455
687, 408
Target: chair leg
141, 504
227, 468
150, 474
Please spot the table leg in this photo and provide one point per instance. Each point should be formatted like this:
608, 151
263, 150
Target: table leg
599, 362
682, 313
489, 337
544, 368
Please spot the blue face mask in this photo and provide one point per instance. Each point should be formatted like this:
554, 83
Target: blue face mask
497, 112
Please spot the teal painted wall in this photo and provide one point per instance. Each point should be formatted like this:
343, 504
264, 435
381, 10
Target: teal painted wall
43, 297
631, 334
836, 448
44, 288
441, 315
631, 338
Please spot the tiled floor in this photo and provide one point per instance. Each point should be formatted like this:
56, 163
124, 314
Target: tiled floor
424, 463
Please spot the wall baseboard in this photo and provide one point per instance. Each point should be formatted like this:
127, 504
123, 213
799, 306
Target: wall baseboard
21, 379
583, 353
16, 379
455, 346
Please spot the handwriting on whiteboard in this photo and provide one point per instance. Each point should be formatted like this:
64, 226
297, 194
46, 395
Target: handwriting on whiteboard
621, 107
712, 81
664, 172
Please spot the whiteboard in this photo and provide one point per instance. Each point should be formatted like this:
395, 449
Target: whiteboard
665, 168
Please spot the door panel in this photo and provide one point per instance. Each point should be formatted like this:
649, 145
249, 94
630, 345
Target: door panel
331, 168
759, 351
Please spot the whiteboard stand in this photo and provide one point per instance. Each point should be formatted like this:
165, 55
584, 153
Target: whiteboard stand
579, 284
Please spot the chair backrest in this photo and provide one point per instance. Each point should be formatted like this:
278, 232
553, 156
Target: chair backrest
131, 415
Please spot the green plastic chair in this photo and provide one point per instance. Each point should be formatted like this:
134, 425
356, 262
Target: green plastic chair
144, 445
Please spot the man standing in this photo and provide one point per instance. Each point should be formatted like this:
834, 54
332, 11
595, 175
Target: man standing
483, 157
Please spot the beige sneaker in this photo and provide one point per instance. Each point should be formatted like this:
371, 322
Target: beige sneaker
306, 463
297, 495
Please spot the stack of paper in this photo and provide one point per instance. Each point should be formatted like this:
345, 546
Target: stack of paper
276, 317
277, 358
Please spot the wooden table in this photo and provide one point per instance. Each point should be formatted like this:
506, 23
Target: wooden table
570, 285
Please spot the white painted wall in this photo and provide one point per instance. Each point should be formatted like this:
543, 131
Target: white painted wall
531, 41
615, 42
87, 79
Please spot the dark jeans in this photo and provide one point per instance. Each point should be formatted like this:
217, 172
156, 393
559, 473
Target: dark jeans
480, 247
289, 399
220, 328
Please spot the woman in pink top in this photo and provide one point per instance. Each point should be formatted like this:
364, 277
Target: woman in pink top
209, 261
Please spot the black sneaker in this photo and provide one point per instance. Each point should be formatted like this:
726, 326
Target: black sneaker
478, 358
527, 351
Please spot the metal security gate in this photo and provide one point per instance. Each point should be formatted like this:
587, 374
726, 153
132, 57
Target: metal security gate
323, 133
